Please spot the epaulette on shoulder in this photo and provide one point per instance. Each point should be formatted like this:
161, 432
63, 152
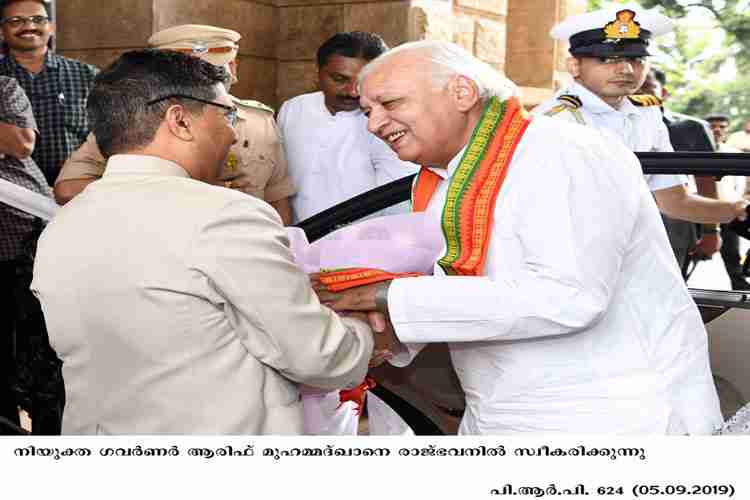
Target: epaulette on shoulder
248, 103
644, 100
570, 101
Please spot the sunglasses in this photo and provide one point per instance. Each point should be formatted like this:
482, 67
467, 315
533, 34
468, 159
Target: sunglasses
230, 112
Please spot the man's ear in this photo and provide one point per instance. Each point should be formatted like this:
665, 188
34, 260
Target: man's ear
573, 65
179, 122
464, 92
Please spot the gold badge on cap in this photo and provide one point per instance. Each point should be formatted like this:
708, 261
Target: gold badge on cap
623, 26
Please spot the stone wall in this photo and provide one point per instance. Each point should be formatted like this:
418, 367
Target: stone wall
479, 26
534, 60
280, 37
305, 24
510, 35
98, 32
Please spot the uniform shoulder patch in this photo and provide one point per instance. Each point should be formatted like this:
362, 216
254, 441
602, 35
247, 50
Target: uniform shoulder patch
644, 100
248, 103
570, 101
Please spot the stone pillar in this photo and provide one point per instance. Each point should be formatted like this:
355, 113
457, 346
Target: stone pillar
533, 59
305, 24
476, 25
98, 32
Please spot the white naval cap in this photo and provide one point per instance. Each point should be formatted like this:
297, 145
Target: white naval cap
617, 31
217, 46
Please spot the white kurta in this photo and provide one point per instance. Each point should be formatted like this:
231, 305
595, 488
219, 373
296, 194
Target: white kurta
582, 323
333, 157
639, 128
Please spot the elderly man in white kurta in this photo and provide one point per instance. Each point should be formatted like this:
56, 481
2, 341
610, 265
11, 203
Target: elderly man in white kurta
560, 300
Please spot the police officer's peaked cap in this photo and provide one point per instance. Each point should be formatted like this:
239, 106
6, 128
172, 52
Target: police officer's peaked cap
215, 45
618, 31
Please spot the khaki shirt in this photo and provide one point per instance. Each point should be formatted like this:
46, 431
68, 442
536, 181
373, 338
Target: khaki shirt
256, 165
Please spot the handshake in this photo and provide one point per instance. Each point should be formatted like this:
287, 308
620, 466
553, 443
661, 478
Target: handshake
361, 302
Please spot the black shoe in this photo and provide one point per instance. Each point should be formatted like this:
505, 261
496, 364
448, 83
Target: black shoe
739, 283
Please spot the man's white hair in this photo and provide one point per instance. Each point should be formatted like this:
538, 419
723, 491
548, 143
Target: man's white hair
448, 60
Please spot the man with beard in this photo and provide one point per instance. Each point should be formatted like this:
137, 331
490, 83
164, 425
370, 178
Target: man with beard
609, 63
332, 157
57, 86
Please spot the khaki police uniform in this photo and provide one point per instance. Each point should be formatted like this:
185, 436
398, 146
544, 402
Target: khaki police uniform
256, 164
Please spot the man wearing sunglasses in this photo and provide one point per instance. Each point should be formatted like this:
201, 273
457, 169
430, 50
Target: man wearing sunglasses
256, 164
57, 86
173, 303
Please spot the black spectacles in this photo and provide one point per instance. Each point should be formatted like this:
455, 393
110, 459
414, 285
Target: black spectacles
18, 21
230, 111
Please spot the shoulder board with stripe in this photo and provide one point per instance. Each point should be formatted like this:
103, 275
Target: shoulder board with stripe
248, 103
557, 109
644, 100
570, 100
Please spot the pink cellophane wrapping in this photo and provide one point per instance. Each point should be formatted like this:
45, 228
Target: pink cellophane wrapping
397, 243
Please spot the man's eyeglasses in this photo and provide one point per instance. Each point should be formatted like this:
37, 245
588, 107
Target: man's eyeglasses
18, 21
230, 112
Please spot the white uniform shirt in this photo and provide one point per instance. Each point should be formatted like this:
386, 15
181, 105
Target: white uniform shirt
333, 157
639, 128
582, 323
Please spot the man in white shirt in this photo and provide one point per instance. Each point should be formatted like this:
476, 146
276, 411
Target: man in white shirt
184, 314
331, 155
609, 63
560, 301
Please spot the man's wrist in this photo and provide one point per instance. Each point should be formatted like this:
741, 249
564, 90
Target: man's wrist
381, 297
